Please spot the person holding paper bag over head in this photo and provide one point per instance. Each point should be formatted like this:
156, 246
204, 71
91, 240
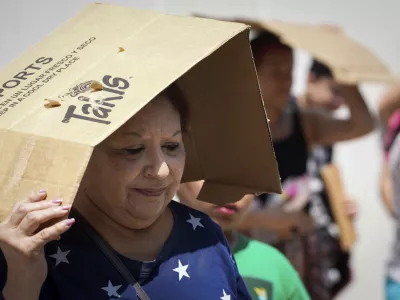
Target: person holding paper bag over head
128, 129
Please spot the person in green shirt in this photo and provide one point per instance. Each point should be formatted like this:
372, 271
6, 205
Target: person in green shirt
267, 273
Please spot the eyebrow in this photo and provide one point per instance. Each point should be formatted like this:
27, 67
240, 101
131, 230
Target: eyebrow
139, 135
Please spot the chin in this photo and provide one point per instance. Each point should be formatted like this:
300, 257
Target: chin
146, 207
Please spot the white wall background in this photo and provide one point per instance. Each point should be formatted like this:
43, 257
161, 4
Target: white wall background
374, 23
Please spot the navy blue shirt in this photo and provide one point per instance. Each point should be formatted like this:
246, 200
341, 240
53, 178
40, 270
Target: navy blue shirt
195, 263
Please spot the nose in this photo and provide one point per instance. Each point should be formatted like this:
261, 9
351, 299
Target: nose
157, 167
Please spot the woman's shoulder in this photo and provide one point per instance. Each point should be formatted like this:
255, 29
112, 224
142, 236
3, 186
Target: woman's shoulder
196, 227
194, 217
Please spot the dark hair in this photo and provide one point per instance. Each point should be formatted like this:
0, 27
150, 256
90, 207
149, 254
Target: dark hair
265, 41
177, 99
319, 70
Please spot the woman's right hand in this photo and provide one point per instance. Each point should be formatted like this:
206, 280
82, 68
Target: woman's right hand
22, 240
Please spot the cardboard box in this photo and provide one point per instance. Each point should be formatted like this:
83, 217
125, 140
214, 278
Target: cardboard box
332, 179
350, 61
134, 54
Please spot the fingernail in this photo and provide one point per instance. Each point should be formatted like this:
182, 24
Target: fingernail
69, 222
57, 201
66, 207
42, 191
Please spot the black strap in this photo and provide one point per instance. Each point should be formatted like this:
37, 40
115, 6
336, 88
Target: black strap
112, 256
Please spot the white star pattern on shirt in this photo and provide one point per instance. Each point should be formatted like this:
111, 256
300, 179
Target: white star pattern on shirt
60, 256
112, 290
225, 296
195, 222
182, 270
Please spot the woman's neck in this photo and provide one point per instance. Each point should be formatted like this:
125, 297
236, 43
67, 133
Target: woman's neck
138, 244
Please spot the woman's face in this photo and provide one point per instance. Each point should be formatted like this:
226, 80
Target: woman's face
275, 77
134, 174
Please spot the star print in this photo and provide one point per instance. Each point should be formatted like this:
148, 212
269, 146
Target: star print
60, 256
225, 296
112, 290
182, 270
195, 222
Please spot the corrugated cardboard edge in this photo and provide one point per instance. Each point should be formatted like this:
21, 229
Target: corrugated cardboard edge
235, 190
344, 75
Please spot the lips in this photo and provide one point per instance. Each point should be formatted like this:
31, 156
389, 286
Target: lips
151, 192
227, 210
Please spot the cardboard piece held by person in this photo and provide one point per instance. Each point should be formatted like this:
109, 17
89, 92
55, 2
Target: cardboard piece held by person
228, 145
333, 184
349, 60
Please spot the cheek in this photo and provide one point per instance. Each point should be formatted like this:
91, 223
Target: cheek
120, 170
176, 166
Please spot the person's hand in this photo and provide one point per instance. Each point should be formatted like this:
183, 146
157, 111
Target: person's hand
297, 192
22, 238
351, 207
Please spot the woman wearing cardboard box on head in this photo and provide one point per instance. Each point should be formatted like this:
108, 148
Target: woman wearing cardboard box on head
127, 146
126, 197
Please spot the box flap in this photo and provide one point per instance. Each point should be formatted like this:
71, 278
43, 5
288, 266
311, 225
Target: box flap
349, 60
134, 55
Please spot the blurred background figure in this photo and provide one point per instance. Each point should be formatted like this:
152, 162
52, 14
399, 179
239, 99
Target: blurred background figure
389, 112
322, 95
266, 272
296, 130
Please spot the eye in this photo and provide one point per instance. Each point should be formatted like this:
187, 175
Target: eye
171, 147
133, 151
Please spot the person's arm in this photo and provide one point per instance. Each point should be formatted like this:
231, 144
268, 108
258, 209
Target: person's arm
13, 289
277, 220
324, 129
11, 283
387, 189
